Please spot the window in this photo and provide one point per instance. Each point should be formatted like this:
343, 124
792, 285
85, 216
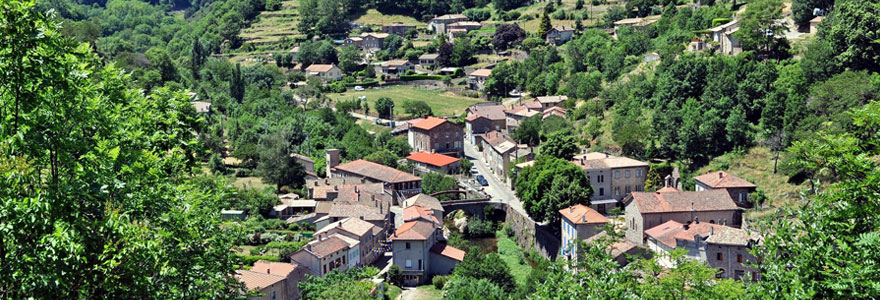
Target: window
743, 197
627, 173
273, 295
616, 174
600, 178
407, 245
627, 189
720, 273
408, 263
639, 173
617, 191
739, 258
325, 269
601, 191
738, 274
420, 264
343, 259
720, 256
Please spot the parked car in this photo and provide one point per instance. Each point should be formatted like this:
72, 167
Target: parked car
482, 180
474, 170
359, 88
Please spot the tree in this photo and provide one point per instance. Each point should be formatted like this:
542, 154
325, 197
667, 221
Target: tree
852, 32
465, 164
383, 157
197, 58
369, 72
392, 43
417, 108
802, 10
738, 130
350, 59
502, 80
276, 166
550, 185
95, 175
504, 5
463, 288
462, 52
217, 166
394, 276
236, 84
545, 24
384, 107
444, 54
759, 29
477, 265
436, 182
560, 145
529, 131
507, 36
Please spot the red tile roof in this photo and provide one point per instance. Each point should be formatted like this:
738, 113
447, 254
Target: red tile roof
581, 214
327, 246
274, 268
319, 68
489, 110
416, 212
448, 251
429, 123
482, 73
423, 201
376, 171
665, 233
434, 159
257, 280
414, 231
682, 201
721, 179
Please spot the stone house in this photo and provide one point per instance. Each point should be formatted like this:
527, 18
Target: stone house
436, 135
354, 41
723, 36
438, 24
497, 148
397, 28
433, 162
722, 247
398, 183
738, 188
367, 239
579, 222
558, 35
293, 273
396, 67
420, 251
612, 178
646, 210
373, 40
477, 79
271, 286
623, 251
548, 102
307, 163
467, 26
484, 117
323, 255
428, 59
327, 72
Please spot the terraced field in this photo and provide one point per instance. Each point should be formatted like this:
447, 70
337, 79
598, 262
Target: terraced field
273, 25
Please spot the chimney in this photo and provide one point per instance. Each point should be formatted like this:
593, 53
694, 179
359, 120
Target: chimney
720, 174
692, 210
696, 220
332, 160
357, 190
373, 197
584, 218
668, 181
607, 155
268, 271
711, 230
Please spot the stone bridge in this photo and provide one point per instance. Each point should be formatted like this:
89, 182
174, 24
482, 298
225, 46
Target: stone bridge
529, 235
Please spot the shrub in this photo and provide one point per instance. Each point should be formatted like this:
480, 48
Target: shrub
411, 77
439, 281
248, 260
480, 228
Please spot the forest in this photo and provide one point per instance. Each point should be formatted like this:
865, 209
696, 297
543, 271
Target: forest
112, 183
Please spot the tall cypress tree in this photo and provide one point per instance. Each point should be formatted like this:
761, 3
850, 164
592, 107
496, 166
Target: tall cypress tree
236, 86
197, 57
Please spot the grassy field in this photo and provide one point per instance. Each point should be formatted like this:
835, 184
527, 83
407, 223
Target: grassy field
442, 103
273, 25
514, 257
756, 166
427, 292
374, 17
372, 127
250, 182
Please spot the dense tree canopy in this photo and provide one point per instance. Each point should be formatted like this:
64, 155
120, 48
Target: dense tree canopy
550, 185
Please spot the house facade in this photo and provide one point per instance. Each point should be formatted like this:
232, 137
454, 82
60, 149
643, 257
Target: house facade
428, 59
579, 223
323, 255
366, 234
373, 40
272, 287
396, 67
397, 28
484, 117
722, 247
723, 36
738, 188
558, 35
436, 135
399, 183
293, 274
477, 79
646, 210
420, 250
612, 177
497, 148
327, 72
438, 24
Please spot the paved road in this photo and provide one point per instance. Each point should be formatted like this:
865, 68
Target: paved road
497, 190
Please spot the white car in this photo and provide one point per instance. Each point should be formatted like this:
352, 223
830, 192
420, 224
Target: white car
359, 88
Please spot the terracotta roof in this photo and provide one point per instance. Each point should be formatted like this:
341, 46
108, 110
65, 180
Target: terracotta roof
482, 72
354, 226
721, 179
257, 280
597, 160
323, 207
360, 193
533, 105
552, 99
414, 230
376, 171
433, 159
429, 123
488, 110
274, 268
668, 189
616, 248
395, 63
327, 246
665, 233
345, 210
416, 212
554, 111
582, 214
702, 229
683, 201
319, 68
448, 251
424, 201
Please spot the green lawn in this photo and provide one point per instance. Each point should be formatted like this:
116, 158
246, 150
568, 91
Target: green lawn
374, 17
514, 257
442, 103
427, 292
392, 291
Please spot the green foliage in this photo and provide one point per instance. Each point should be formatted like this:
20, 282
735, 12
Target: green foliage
504, 5
383, 157
421, 77
852, 32
560, 145
656, 176
545, 25
462, 53
436, 182
350, 58
477, 15
550, 185
440, 280
384, 107
477, 265
460, 288
417, 108
479, 228
529, 131
217, 166
336, 285
394, 276
757, 22
276, 166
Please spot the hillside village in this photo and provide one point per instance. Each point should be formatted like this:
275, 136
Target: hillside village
487, 149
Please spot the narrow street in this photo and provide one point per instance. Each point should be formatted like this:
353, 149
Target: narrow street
497, 190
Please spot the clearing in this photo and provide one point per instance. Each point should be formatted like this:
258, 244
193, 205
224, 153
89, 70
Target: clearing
441, 103
424, 292
515, 258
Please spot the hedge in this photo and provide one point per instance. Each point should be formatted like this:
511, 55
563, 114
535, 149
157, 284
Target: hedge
371, 82
248, 260
421, 77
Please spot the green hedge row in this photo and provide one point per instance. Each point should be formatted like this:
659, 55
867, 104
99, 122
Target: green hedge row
421, 77
364, 83
248, 260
